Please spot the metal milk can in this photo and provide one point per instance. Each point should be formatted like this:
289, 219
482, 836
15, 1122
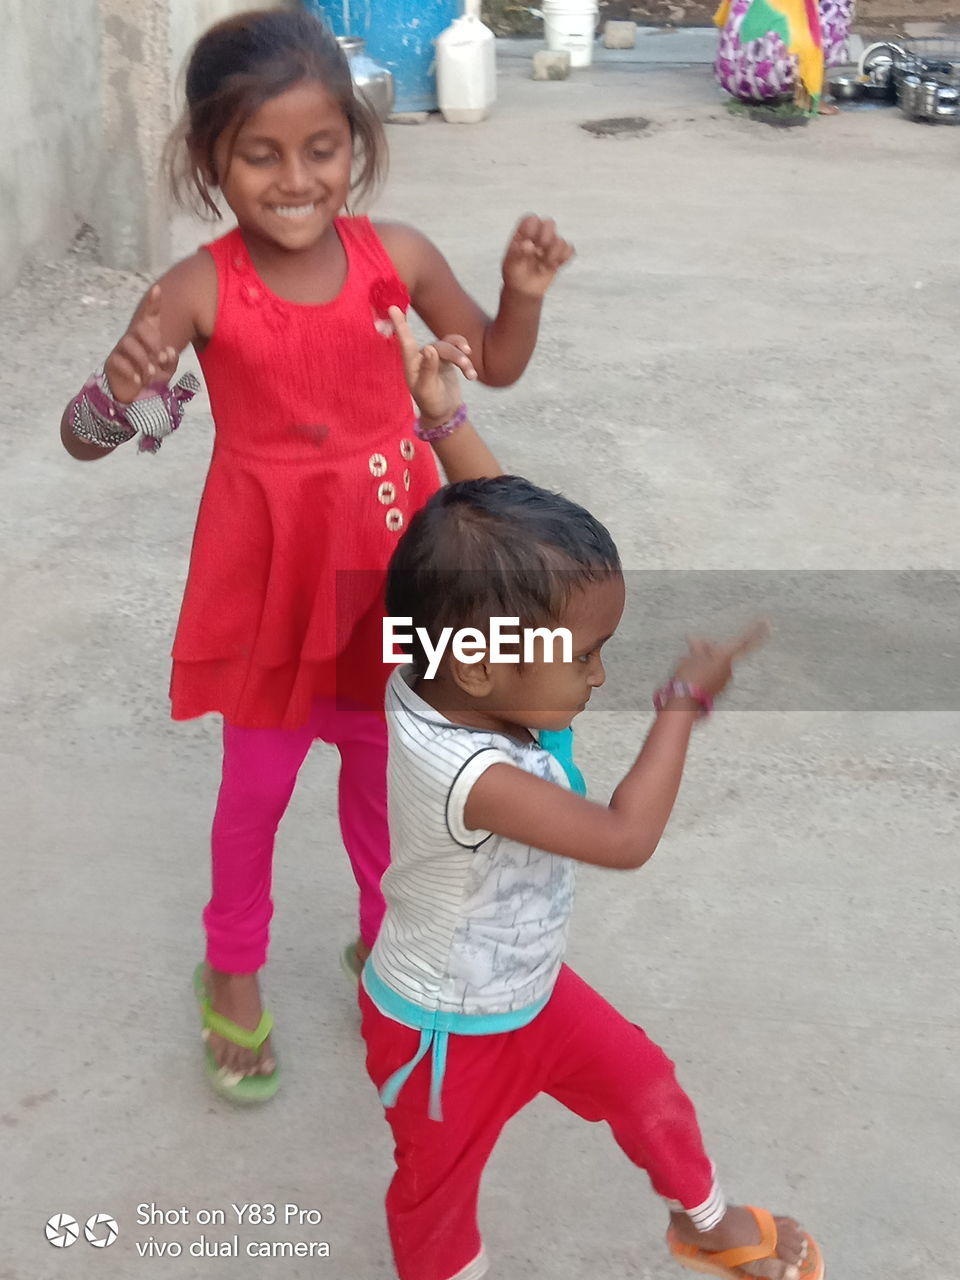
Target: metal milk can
371, 79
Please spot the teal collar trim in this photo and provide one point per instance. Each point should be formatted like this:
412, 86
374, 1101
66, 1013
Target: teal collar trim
435, 1029
559, 743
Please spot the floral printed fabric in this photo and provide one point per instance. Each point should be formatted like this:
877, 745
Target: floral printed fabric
764, 70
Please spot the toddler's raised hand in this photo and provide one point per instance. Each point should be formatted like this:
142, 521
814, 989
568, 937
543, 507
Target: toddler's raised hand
710, 665
534, 256
432, 370
140, 357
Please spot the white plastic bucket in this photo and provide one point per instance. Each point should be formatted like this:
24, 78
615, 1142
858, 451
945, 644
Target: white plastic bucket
571, 25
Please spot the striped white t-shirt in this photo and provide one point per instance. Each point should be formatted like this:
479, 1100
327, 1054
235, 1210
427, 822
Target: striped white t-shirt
475, 923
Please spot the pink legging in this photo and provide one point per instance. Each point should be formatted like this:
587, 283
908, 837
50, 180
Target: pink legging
260, 768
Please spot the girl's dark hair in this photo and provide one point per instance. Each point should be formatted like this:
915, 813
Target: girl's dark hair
240, 64
494, 548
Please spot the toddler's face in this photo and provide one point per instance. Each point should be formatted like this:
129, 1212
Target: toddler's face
289, 173
549, 695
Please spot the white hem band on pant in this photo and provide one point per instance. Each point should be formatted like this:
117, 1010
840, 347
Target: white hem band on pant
476, 1269
707, 1215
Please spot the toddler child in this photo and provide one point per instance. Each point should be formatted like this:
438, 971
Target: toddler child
469, 1011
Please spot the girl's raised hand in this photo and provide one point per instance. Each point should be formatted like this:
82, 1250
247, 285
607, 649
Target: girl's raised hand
534, 256
710, 665
432, 370
140, 357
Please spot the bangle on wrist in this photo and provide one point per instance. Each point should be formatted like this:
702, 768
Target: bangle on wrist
682, 689
432, 434
97, 417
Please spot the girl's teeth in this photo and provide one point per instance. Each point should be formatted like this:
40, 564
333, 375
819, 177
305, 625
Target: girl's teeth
295, 211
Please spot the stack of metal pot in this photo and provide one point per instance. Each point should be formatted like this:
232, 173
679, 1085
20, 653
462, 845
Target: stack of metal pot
928, 100
925, 76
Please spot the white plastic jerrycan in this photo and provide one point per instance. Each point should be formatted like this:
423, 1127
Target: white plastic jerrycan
466, 68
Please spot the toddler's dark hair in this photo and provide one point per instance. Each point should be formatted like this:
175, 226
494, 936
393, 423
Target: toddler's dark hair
243, 62
494, 548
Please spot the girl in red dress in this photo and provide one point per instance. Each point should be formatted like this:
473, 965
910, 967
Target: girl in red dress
317, 467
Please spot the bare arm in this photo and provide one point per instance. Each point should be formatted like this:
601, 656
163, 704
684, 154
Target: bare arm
532, 811
502, 346
176, 311
624, 836
464, 456
434, 383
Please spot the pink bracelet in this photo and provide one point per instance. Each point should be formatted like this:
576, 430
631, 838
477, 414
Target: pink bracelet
681, 689
431, 434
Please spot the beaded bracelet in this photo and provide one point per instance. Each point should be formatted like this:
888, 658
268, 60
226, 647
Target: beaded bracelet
97, 417
432, 434
681, 689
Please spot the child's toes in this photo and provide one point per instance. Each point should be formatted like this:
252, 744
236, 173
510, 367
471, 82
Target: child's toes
225, 1056
772, 1270
791, 1251
246, 1062
791, 1242
230, 1057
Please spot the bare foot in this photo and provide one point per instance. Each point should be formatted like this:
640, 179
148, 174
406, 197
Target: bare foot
363, 952
738, 1228
827, 109
237, 996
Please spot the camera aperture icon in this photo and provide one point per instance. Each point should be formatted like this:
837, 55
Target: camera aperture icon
62, 1231
101, 1230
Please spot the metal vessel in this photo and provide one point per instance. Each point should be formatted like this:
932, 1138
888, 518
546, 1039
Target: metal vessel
371, 79
400, 35
926, 73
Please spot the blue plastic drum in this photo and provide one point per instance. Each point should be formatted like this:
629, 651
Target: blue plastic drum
400, 35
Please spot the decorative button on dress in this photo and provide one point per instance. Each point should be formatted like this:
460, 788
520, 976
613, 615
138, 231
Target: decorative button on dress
314, 475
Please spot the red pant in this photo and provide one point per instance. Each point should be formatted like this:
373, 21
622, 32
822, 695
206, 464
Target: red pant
579, 1050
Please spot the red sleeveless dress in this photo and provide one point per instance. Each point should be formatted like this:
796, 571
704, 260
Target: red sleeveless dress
315, 473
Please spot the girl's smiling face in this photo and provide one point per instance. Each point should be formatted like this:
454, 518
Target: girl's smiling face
287, 175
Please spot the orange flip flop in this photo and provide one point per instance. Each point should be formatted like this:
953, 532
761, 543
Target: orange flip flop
730, 1262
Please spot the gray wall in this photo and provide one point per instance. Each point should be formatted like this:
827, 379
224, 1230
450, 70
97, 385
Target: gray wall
87, 93
49, 124
130, 215
189, 18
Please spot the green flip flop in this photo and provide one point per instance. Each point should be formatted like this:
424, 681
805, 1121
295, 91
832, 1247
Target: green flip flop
242, 1089
350, 962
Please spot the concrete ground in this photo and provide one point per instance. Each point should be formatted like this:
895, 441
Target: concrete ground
751, 365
